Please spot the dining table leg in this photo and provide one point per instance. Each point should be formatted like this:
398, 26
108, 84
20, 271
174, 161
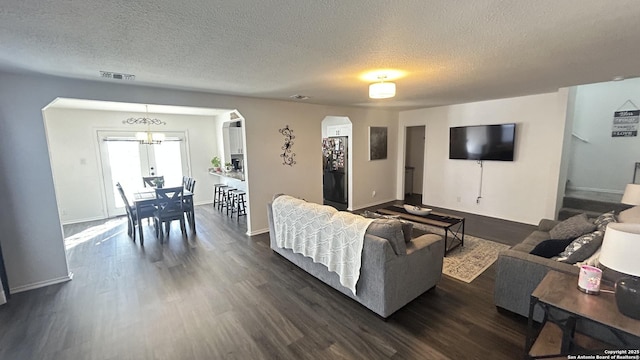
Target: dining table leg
192, 223
140, 230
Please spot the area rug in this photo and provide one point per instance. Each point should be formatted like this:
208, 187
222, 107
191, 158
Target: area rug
465, 263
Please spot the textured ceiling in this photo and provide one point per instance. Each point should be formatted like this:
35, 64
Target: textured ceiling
451, 51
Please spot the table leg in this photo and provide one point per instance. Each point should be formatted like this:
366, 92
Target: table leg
192, 220
529, 339
140, 232
446, 237
462, 237
568, 331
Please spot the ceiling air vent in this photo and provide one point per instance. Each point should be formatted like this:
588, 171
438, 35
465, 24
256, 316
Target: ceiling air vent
117, 76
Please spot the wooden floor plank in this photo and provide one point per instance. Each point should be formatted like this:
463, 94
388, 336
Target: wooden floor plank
223, 294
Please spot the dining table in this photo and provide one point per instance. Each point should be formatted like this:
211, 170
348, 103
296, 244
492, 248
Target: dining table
147, 197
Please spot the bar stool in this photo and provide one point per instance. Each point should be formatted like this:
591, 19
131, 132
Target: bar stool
226, 202
217, 195
239, 204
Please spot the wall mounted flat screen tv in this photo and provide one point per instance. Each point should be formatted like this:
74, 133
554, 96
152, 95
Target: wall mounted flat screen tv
482, 142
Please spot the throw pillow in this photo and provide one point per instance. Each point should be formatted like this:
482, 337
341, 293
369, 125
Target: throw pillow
593, 260
550, 248
407, 227
582, 247
572, 227
391, 230
603, 220
407, 230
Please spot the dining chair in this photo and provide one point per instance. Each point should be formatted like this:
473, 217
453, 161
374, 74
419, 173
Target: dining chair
189, 209
133, 213
170, 207
151, 181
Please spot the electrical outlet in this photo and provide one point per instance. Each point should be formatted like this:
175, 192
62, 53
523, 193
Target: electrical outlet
458, 199
373, 194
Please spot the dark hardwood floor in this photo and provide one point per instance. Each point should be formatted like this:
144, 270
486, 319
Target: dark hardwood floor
223, 295
502, 231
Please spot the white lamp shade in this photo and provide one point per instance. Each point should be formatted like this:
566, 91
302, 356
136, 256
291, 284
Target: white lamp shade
631, 195
382, 90
621, 247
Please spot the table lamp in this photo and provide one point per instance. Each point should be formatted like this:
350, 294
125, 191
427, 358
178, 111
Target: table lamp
631, 195
619, 252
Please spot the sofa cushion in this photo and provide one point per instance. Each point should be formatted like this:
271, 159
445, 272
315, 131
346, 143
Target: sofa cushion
407, 227
547, 224
603, 220
572, 227
391, 230
582, 247
550, 248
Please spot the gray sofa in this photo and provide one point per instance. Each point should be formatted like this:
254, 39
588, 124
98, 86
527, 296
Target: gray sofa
518, 273
390, 276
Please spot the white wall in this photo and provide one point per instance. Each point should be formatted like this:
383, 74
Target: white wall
76, 163
30, 227
604, 163
523, 190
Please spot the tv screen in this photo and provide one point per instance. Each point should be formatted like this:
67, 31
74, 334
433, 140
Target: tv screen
482, 142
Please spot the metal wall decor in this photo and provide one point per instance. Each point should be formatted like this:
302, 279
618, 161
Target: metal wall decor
147, 137
143, 121
287, 155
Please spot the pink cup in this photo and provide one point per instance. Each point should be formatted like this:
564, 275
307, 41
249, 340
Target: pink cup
589, 279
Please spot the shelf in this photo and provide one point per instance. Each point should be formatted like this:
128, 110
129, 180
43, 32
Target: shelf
549, 341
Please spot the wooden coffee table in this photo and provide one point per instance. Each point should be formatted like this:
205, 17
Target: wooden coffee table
453, 226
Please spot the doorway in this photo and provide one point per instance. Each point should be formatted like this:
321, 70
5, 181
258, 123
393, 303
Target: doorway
125, 160
337, 167
414, 164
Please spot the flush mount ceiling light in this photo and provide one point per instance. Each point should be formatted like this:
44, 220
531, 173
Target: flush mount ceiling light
147, 137
382, 90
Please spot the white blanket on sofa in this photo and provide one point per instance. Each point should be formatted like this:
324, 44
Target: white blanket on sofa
330, 237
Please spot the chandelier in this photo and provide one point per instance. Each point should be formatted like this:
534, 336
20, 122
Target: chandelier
147, 137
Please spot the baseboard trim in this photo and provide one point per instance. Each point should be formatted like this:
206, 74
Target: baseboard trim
76, 221
606, 191
258, 232
374, 204
37, 285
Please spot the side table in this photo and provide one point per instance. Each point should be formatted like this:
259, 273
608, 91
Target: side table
558, 294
